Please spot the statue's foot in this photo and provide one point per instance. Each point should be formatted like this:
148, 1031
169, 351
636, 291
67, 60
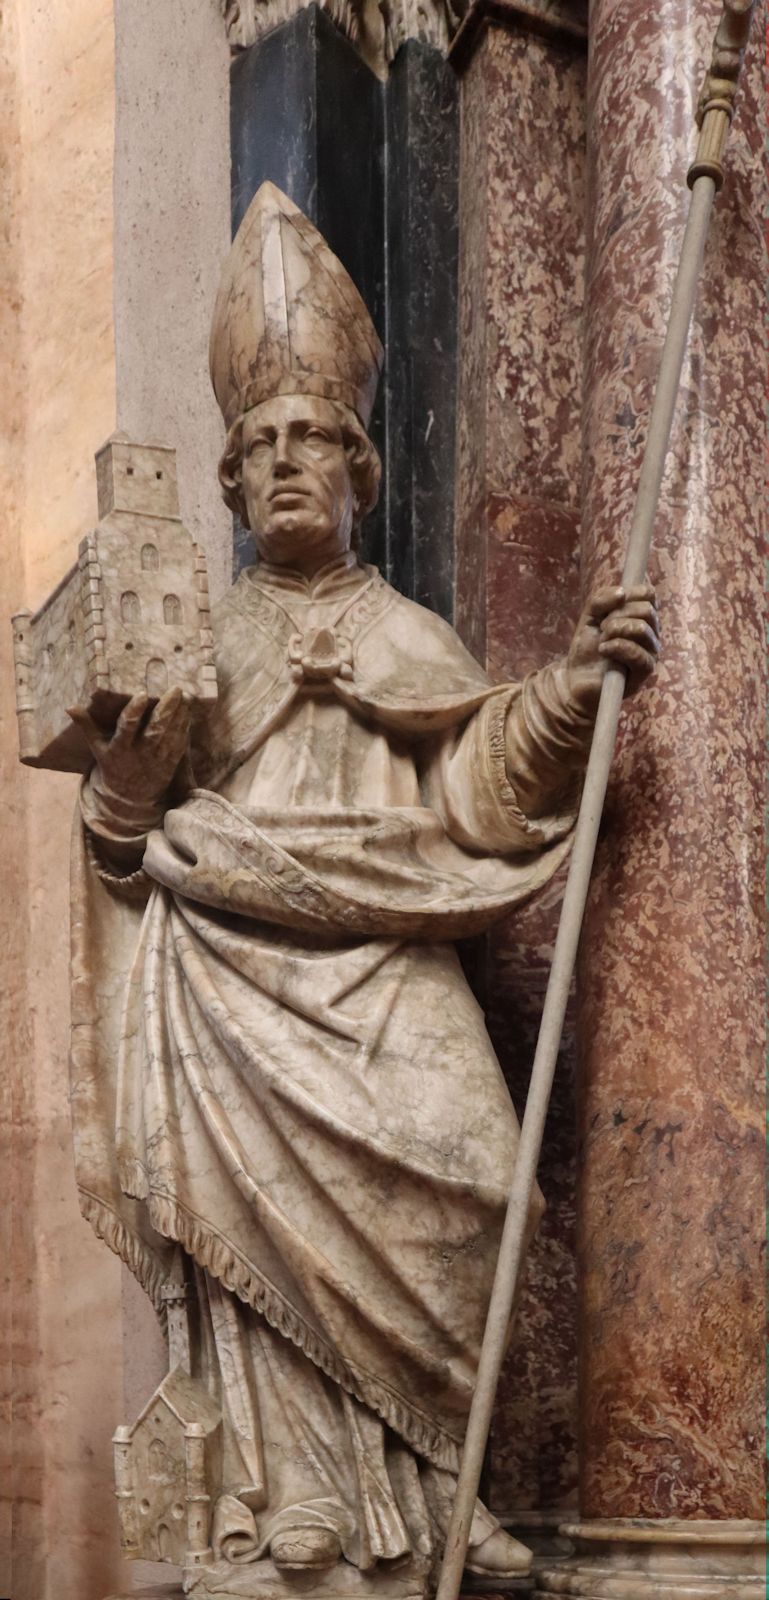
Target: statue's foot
306, 1549
498, 1556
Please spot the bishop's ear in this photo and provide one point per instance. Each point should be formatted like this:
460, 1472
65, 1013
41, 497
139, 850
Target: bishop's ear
231, 471
365, 470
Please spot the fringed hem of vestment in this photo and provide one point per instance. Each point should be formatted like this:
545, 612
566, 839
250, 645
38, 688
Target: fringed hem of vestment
219, 1258
132, 1250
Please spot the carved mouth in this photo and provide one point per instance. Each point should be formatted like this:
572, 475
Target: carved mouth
286, 494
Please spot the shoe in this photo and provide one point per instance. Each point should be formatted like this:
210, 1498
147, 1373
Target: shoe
499, 1556
305, 1548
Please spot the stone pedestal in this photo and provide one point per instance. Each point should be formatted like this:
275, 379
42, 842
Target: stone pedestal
635, 1560
671, 1220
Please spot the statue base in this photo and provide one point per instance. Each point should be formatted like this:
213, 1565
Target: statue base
172, 1591
262, 1581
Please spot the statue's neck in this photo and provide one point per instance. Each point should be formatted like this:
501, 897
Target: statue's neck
327, 573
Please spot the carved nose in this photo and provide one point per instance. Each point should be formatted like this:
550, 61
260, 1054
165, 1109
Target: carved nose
283, 463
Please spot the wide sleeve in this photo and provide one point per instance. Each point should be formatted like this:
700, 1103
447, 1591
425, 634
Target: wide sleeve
508, 780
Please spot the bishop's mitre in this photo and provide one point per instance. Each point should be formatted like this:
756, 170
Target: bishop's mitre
288, 318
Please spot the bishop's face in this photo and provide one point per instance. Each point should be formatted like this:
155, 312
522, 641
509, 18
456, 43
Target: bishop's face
296, 481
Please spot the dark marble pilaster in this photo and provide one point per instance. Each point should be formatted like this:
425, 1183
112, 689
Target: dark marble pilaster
374, 164
422, 123
309, 115
517, 533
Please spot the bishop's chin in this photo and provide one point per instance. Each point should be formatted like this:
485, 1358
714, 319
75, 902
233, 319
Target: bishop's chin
289, 539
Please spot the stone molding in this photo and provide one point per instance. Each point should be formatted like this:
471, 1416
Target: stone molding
631, 1559
377, 28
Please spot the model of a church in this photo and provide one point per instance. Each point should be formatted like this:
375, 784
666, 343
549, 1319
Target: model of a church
165, 1465
131, 617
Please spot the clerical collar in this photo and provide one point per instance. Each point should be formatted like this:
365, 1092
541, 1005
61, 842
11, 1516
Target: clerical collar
344, 572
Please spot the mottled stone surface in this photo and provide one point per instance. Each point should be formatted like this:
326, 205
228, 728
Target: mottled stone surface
672, 1023
521, 207
58, 1404
549, 17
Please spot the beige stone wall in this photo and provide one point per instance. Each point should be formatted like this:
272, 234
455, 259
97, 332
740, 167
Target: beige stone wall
89, 102
58, 404
172, 231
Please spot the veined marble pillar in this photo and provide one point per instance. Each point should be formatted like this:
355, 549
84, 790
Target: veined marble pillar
517, 594
670, 1213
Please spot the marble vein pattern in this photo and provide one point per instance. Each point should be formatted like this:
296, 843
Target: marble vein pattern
672, 1025
522, 250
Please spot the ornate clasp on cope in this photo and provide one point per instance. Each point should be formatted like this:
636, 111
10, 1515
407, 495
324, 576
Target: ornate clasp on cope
320, 655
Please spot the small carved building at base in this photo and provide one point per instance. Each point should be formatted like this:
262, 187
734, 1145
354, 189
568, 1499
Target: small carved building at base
167, 1468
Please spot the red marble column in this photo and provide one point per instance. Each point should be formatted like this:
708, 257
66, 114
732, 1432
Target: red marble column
671, 1218
521, 243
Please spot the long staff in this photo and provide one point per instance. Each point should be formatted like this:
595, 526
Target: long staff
704, 177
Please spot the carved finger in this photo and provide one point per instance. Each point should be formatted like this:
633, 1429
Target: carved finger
163, 710
603, 602
131, 718
92, 733
642, 608
627, 654
624, 627
170, 718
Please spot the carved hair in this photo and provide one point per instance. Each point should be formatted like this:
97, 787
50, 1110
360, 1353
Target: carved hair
362, 457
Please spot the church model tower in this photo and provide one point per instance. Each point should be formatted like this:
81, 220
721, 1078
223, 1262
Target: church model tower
131, 617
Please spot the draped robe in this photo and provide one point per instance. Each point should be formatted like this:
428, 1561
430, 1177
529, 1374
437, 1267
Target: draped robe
277, 1063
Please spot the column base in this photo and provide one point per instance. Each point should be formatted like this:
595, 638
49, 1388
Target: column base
634, 1559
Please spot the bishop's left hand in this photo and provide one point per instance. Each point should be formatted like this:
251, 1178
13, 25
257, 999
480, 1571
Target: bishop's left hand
617, 627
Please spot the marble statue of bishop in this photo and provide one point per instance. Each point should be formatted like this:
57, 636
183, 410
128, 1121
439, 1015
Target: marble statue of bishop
278, 1066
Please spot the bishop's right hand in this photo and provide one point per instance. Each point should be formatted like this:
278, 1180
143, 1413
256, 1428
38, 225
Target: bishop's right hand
139, 759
